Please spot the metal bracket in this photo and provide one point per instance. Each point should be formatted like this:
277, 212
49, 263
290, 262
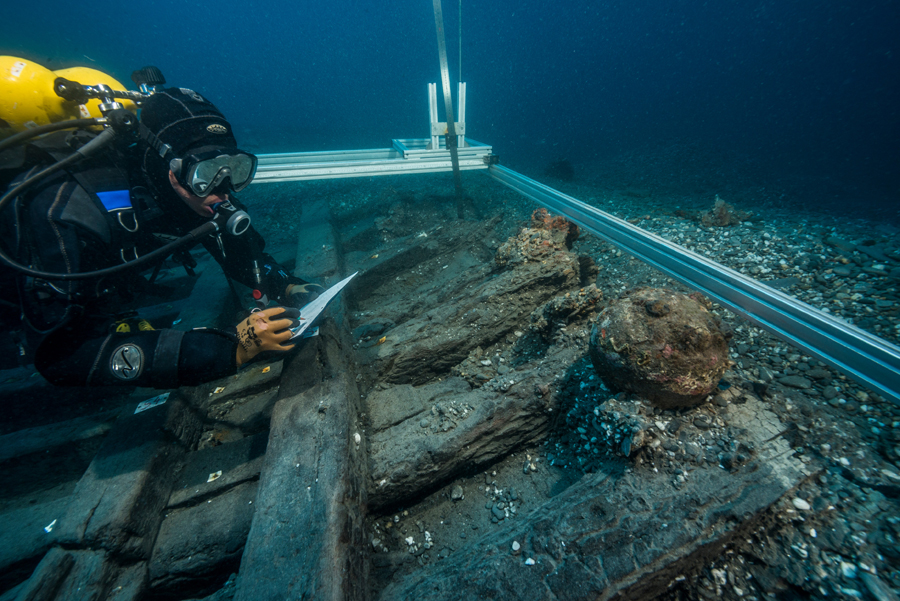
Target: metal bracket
439, 128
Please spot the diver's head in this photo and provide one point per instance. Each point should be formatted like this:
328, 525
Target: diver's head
190, 149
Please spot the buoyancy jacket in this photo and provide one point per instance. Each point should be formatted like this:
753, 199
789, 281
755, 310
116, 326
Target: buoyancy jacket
96, 216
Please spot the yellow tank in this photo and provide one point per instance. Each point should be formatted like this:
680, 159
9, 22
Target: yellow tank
27, 98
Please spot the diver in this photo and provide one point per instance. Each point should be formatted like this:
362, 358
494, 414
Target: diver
120, 204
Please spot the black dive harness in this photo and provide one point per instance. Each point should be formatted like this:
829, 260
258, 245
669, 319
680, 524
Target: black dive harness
118, 201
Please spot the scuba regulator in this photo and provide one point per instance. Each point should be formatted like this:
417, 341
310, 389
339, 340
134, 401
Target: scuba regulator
119, 123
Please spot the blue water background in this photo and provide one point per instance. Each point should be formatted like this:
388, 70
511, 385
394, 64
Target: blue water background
806, 88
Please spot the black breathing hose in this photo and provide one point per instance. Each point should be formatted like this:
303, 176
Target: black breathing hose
45, 129
191, 237
235, 225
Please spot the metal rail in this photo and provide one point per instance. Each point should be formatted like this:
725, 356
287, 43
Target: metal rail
405, 156
869, 360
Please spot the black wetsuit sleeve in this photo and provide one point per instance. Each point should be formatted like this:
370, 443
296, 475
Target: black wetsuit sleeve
237, 263
155, 359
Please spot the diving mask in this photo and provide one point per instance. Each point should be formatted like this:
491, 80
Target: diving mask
204, 172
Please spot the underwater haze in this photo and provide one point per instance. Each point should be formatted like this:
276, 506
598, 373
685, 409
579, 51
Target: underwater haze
804, 94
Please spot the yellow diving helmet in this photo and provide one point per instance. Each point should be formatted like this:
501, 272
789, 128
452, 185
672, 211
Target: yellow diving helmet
28, 100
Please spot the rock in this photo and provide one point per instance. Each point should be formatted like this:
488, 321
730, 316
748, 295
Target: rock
457, 493
675, 359
795, 382
873, 251
829, 392
622, 427
800, 504
842, 270
840, 244
819, 374
879, 589
723, 214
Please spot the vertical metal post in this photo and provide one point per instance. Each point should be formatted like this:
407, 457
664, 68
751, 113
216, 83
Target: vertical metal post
433, 112
461, 99
448, 105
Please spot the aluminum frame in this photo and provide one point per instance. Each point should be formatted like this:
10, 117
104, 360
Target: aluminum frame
405, 156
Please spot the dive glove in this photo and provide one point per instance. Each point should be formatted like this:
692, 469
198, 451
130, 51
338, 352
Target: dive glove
300, 295
266, 330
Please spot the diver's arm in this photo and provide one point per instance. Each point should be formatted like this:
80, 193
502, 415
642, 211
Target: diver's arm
155, 359
238, 263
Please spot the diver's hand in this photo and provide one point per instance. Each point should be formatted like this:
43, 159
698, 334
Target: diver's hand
300, 295
265, 330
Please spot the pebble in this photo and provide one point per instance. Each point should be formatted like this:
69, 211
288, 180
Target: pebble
819, 374
891, 475
529, 562
848, 570
765, 374
800, 504
498, 513
795, 382
516, 546
843, 271
457, 493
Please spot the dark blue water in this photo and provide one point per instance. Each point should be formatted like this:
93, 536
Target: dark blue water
806, 89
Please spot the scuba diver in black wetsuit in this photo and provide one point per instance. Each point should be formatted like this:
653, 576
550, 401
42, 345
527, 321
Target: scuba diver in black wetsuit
64, 237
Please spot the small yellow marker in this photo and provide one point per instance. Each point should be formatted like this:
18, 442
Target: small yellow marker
219, 389
214, 476
266, 369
